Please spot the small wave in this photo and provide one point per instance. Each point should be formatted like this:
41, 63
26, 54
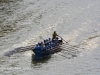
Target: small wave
91, 42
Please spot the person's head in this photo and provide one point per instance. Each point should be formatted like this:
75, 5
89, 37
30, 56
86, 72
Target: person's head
41, 42
54, 31
57, 38
50, 42
49, 38
53, 40
36, 45
44, 41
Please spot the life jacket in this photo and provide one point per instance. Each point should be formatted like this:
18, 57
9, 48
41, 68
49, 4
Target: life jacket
45, 48
50, 45
38, 48
50, 40
56, 41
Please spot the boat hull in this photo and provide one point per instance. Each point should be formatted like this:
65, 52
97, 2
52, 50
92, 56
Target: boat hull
45, 54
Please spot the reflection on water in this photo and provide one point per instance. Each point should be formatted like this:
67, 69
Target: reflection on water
41, 61
44, 60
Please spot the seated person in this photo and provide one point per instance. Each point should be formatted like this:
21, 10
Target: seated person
50, 40
37, 48
50, 45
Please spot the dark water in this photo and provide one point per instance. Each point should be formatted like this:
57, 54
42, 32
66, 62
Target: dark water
23, 23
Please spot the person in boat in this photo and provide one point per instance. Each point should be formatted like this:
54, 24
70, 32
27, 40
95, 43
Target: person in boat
50, 40
44, 42
44, 48
37, 48
46, 45
56, 41
54, 35
42, 45
50, 45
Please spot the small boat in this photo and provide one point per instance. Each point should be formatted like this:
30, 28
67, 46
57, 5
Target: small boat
41, 54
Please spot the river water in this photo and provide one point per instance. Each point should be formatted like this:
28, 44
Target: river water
25, 22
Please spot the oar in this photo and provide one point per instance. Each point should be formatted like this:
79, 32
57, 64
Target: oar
67, 42
63, 55
62, 39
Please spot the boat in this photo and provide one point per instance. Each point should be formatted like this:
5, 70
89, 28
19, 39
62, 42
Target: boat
42, 54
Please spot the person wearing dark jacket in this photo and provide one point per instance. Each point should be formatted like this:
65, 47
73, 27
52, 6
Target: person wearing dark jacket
54, 35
